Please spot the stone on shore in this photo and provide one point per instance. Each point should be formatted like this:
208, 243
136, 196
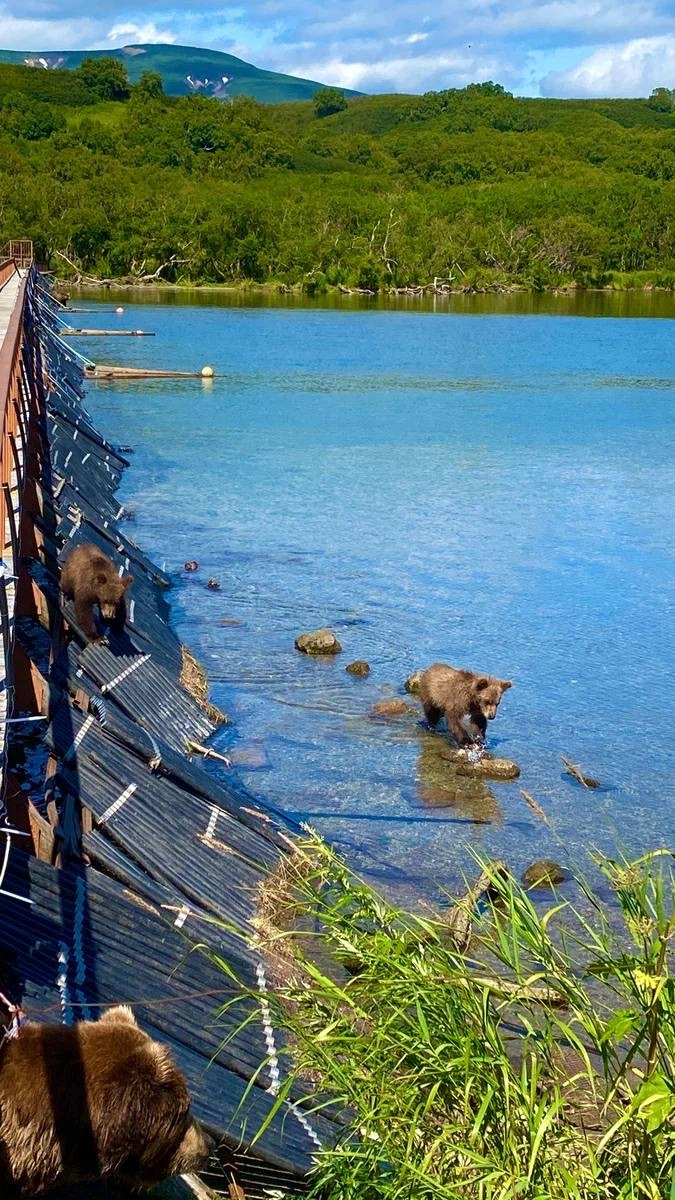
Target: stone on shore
543, 873
359, 667
320, 641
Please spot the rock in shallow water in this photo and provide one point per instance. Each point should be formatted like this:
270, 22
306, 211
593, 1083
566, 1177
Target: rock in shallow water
320, 641
544, 873
360, 667
391, 708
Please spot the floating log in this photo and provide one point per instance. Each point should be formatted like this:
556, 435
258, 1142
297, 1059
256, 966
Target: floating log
99, 371
108, 332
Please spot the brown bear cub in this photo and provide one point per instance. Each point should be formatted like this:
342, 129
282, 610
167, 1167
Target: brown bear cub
454, 694
96, 1101
90, 578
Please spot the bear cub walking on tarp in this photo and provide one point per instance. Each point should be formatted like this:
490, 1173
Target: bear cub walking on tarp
90, 578
100, 1100
455, 694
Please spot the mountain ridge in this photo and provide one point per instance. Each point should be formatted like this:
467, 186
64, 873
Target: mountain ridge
185, 70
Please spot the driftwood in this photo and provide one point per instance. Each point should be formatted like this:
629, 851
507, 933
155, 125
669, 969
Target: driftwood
575, 771
515, 991
459, 920
69, 332
536, 808
197, 748
99, 371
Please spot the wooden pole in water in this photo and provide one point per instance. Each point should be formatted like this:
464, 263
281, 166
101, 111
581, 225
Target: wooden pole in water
110, 372
68, 332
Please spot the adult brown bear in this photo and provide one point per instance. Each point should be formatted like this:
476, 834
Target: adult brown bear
89, 578
455, 694
96, 1101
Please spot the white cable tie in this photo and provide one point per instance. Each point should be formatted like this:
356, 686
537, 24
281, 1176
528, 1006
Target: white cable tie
108, 687
117, 804
81, 733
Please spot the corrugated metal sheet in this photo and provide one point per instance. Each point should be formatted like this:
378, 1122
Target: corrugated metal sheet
179, 854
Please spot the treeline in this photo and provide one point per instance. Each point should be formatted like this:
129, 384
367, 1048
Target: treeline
471, 185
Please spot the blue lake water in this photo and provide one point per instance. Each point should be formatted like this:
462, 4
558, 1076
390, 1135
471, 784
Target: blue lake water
491, 489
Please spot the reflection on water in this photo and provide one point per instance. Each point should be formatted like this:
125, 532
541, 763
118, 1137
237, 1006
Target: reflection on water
488, 489
440, 785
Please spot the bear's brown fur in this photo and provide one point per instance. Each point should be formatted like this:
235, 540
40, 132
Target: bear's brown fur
95, 1101
90, 578
455, 694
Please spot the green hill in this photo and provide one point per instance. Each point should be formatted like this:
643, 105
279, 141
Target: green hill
473, 185
185, 70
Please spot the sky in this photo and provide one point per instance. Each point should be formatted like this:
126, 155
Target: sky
531, 47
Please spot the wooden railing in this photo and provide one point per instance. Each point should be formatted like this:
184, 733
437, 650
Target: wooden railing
8, 268
15, 420
20, 250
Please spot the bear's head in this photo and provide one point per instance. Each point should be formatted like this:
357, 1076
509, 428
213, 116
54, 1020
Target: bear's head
488, 691
109, 591
147, 1133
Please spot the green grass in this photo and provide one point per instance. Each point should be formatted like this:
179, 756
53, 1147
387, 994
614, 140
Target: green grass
539, 1064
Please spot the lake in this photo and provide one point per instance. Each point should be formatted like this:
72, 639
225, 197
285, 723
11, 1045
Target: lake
491, 484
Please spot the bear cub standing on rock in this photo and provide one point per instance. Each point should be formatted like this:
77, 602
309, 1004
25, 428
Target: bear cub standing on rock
90, 578
454, 694
95, 1101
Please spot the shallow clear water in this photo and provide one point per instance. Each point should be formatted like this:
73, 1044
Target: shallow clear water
490, 489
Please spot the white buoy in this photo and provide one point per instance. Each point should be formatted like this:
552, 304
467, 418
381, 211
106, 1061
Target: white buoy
207, 372
119, 311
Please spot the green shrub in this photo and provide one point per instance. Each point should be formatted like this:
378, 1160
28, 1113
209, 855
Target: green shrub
541, 1064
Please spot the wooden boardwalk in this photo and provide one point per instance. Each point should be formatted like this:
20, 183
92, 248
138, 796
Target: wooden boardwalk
8, 298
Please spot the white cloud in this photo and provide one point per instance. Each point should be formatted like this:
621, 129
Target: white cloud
130, 32
418, 73
632, 68
17, 33
416, 37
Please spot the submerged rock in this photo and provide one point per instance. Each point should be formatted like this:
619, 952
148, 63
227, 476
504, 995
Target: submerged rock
214, 585
391, 708
544, 873
320, 641
360, 667
412, 683
192, 565
489, 768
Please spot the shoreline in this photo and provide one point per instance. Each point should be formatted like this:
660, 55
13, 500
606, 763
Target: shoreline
412, 291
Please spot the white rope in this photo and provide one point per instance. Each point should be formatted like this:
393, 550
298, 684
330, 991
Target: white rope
211, 827
268, 1029
62, 984
117, 804
138, 662
273, 1058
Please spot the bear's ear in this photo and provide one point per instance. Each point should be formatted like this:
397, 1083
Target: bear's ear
127, 581
162, 1063
505, 684
481, 684
121, 1015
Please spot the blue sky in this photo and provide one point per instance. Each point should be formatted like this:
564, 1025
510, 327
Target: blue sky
533, 47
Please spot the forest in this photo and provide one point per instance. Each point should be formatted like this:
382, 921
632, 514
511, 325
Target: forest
473, 186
